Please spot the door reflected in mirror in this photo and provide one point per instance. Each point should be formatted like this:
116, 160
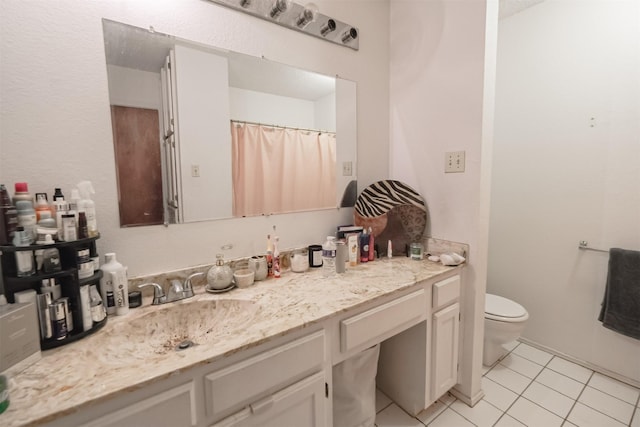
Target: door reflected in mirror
202, 133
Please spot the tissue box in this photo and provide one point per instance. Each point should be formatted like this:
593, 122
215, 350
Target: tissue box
20, 337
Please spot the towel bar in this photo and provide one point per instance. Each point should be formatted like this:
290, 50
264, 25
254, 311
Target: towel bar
584, 245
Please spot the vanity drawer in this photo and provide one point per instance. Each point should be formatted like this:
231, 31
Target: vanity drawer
445, 292
374, 323
243, 382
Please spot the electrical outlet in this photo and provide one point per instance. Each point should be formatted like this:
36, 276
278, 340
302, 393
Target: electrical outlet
347, 168
454, 162
195, 171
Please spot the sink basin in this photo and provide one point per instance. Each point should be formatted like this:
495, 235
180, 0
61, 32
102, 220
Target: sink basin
163, 329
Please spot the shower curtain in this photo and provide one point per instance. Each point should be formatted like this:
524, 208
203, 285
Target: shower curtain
278, 169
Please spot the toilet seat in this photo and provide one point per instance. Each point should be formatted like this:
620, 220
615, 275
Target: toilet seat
504, 310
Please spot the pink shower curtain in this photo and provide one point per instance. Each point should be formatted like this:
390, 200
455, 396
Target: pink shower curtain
281, 169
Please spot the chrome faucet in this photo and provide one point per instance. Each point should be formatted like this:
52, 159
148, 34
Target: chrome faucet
177, 291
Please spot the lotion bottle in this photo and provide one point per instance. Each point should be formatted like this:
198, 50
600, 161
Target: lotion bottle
108, 288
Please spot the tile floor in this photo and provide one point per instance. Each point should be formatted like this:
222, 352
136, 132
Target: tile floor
530, 388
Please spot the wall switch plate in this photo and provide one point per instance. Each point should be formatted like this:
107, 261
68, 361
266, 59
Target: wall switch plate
195, 171
454, 162
347, 168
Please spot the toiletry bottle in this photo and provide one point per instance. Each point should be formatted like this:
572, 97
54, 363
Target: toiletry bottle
8, 217
27, 218
24, 259
88, 206
364, 246
98, 311
83, 231
61, 207
50, 286
120, 291
51, 257
22, 193
74, 202
276, 258
69, 230
389, 249
107, 286
85, 306
329, 257
371, 245
42, 205
269, 256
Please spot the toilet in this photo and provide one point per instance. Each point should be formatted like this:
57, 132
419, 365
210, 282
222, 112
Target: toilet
504, 321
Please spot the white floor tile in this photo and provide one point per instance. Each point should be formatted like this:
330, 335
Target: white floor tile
583, 416
482, 415
393, 416
431, 412
511, 345
509, 421
549, 399
510, 379
382, 401
568, 424
558, 382
450, 418
533, 415
608, 405
447, 399
570, 369
497, 395
538, 356
615, 388
635, 422
521, 365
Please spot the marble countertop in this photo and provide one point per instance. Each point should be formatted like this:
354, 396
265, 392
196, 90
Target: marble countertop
121, 358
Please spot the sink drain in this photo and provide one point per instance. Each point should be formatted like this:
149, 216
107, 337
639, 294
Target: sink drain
185, 345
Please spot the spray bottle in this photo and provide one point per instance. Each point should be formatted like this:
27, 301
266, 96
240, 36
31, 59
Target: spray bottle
88, 206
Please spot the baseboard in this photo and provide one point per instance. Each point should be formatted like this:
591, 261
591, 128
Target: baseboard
580, 362
470, 401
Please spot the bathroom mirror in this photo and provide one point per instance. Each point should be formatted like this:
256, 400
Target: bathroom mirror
202, 133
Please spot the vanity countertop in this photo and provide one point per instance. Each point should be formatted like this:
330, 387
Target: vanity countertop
94, 369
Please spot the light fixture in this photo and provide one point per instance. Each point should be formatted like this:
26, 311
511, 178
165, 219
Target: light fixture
328, 27
295, 16
279, 6
308, 14
350, 34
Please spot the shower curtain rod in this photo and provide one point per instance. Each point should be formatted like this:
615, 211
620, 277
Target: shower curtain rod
281, 127
584, 245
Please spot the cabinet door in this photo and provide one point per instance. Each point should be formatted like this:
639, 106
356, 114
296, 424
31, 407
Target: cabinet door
301, 404
173, 407
444, 371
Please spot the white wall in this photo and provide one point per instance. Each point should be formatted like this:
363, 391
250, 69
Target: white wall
325, 112
560, 177
269, 109
437, 101
55, 127
134, 88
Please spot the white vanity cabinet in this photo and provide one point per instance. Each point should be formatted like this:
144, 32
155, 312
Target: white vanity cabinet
285, 383
419, 365
444, 336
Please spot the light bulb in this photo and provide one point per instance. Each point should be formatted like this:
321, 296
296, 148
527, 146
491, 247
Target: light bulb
245, 3
328, 27
278, 7
308, 15
349, 35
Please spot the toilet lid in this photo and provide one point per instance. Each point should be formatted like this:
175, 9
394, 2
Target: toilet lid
503, 307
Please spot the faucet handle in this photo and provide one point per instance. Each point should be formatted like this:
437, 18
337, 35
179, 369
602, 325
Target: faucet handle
158, 293
188, 286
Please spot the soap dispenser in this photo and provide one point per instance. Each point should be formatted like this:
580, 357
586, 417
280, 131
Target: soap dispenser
220, 275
